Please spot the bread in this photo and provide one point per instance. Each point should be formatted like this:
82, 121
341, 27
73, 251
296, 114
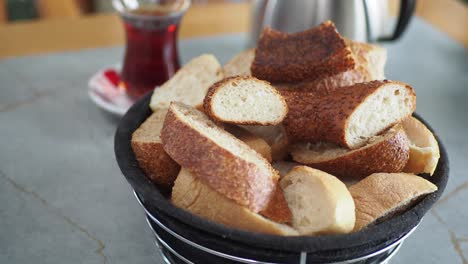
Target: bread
382, 195
149, 152
424, 150
275, 136
349, 116
284, 167
319, 202
245, 100
277, 209
309, 55
199, 198
190, 84
370, 65
370, 60
239, 65
255, 142
224, 162
388, 152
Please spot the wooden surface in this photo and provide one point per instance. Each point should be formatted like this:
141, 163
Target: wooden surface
62, 34
57, 9
106, 29
3, 16
449, 16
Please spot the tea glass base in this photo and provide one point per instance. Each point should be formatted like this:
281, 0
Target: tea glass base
106, 95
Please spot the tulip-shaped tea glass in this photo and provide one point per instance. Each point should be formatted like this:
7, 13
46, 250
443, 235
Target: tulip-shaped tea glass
151, 56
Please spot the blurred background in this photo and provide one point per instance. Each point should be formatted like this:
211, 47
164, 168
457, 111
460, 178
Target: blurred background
74, 24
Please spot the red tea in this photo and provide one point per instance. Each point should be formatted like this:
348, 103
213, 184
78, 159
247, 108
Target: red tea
151, 56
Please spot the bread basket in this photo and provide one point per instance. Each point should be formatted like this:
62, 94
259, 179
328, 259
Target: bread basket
186, 238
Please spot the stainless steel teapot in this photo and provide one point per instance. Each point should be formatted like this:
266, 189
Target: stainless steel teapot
361, 20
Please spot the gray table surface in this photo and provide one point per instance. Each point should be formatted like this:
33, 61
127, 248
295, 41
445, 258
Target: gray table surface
64, 200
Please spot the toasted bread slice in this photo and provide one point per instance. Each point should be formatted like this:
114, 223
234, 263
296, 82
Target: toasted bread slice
255, 142
309, 55
239, 65
190, 84
275, 136
245, 100
197, 197
370, 66
424, 149
225, 163
277, 209
350, 116
320, 203
388, 152
382, 195
147, 146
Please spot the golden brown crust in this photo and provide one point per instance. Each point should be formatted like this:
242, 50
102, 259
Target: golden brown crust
388, 155
317, 118
424, 149
381, 195
309, 55
148, 150
199, 198
247, 183
155, 162
364, 71
278, 209
200, 108
370, 58
208, 109
255, 142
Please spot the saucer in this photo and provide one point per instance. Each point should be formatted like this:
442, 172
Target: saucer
105, 92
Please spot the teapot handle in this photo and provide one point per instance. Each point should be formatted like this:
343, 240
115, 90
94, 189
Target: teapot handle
407, 8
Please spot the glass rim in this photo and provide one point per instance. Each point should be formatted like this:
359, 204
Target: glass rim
126, 12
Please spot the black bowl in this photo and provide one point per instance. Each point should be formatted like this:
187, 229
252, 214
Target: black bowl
263, 247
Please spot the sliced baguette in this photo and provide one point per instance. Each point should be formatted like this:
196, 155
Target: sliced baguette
382, 195
277, 209
245, 100
284, 167
197, 197
255, 142
388, 152
424, 149
309, 55
225, 163
275, 136
239, 65
147, 146
370, 59
370, 66
190, 84
350, 116
319, 202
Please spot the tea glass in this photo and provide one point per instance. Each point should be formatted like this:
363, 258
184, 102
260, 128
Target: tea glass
151, 55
